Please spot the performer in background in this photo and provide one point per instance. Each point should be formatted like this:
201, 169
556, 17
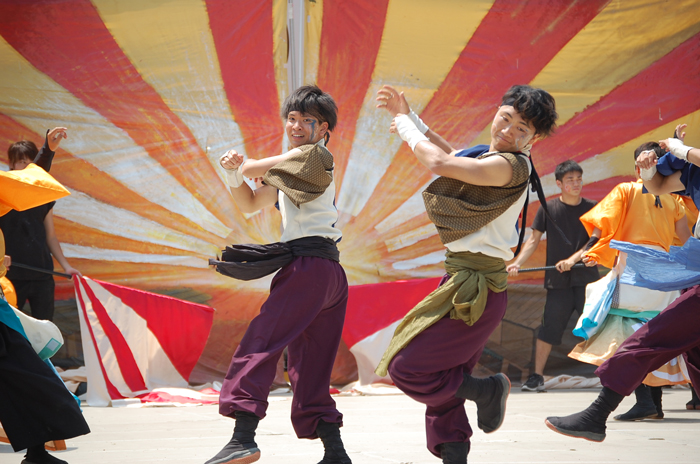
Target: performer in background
306, 307
566, 287
475, 206
675, 331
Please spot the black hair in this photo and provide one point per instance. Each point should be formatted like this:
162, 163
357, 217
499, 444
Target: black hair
655, 147
535, 106
566, 167
24, 149
310, 99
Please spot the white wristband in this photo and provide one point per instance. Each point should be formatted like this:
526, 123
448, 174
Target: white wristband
234, 177
678, 150
408, 131
647, 174
420, 125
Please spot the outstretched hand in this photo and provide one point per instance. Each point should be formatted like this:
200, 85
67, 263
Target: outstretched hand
393, 101
231, 160
679, 133
55, 136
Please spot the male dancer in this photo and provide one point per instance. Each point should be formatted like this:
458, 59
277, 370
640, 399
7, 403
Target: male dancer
566, 287
431, 356
306, 307
675, 331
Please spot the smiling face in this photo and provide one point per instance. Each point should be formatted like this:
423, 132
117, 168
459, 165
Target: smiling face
304, 129
509, 131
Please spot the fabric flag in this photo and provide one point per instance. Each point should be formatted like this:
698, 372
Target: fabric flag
676, 270
135, 341
374, 311
598, 300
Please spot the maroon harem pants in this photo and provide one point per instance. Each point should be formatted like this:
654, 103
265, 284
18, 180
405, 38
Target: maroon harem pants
675, 331
304, 312
429, 370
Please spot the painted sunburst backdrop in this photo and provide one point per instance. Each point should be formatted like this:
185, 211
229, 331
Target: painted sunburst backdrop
154, 91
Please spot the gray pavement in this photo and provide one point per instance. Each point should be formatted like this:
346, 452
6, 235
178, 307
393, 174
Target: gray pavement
385, 429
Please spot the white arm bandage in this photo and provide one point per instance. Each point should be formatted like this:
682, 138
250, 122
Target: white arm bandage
678, 150
408, 131
647, 174
420, 125
234, 177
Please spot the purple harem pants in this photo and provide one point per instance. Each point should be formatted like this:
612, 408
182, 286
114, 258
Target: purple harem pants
675, 331
429, 370
304, 312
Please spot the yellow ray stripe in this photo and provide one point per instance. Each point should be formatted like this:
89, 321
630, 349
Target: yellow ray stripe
312, 40
620, 160
38, 102
410, 238
171, 46
100, 254
421, 42
625, 38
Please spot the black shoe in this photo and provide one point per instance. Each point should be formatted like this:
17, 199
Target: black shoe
329, 433
694, 403
38, 455
644, 408
588, 424
454, 452
490, 395
241, 449
534, 383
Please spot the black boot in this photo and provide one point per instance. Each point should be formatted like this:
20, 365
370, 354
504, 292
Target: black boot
454, 452
490, 395
589, 423
38, 455
656, 394
242, 448
694, 403
644, 407
329, 433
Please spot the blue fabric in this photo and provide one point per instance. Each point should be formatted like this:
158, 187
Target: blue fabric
690, 175
473, 152
9, 318
658, 270
597, 306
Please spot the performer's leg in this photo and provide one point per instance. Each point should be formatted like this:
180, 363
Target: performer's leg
311, 355
432, 368
36, 406
41, 299
674, 331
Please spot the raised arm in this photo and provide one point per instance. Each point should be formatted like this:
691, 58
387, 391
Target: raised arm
46, 153
247, 199
395, 103
258, 168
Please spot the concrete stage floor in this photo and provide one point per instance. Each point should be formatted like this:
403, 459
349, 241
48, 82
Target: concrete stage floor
386, 429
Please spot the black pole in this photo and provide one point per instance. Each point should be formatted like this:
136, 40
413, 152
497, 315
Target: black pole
550, 268
38, 269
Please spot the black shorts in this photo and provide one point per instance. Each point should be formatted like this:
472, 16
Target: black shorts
561, 302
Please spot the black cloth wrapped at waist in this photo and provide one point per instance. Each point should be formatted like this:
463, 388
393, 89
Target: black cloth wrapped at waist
252, 261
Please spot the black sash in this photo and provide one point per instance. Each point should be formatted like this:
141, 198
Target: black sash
251, 261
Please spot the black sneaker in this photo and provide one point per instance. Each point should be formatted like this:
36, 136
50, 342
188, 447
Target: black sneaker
236, 453
535, 383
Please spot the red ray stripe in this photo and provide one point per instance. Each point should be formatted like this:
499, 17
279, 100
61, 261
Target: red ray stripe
350, 40
181, 327
242, 32
668, 89
70, 43
111, 389
80, 175
122, 352
514, 41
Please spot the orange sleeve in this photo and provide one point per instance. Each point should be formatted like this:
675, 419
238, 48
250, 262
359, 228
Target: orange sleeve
607, 215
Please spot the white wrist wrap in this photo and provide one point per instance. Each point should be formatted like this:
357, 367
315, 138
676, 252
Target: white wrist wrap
234, 177
420, 125
408, 131
678, 150
647, 174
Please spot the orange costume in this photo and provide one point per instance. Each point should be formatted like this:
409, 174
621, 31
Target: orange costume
627, 214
